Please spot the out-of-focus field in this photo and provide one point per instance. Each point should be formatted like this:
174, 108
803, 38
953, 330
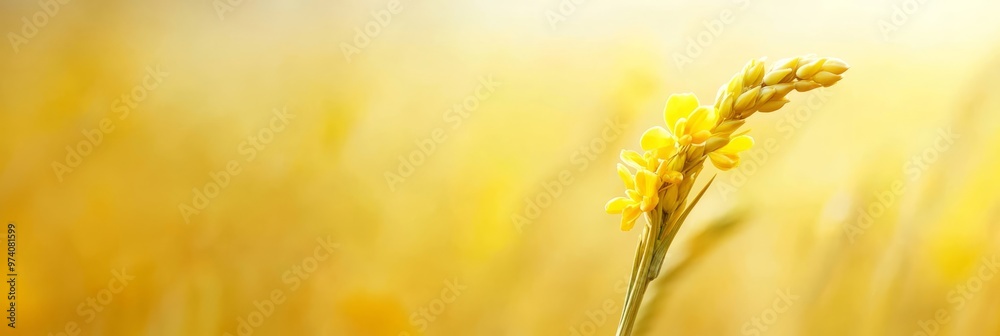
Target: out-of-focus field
448, 176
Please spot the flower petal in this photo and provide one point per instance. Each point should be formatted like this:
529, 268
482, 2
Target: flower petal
633, 195
673, 177
685, 140
703, 119
656, 137
617, 205
700, 137
736, 145
626, 177
646, 183
665, 153
629, 215
724, 161
681, 128
640, 183
633, 159
651, 160
649, 203
679, 106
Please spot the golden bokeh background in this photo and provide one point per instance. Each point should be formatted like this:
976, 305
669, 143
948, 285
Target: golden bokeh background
397, 167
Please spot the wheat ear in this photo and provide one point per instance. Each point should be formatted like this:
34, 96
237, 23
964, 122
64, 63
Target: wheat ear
673, 158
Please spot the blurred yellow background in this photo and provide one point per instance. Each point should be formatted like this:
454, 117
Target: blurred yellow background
397, 167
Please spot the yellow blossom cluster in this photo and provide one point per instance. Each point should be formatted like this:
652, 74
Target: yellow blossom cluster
672, 155
661, 163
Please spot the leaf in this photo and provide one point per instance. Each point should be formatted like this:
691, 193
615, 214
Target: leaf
695, 201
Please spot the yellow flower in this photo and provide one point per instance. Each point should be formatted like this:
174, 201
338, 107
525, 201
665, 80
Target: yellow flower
688, 123
642, 196
659, 141
639, 161
626, 177
728, 157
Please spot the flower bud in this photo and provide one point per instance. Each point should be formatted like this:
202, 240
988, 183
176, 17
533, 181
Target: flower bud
785, 63
726, 107
826, 78
736, 84
772, 106
729, 126
775, 77
835, 66
809, 69
747, 99
765, 95
754, 74
782, 89
806, 85
716, 142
